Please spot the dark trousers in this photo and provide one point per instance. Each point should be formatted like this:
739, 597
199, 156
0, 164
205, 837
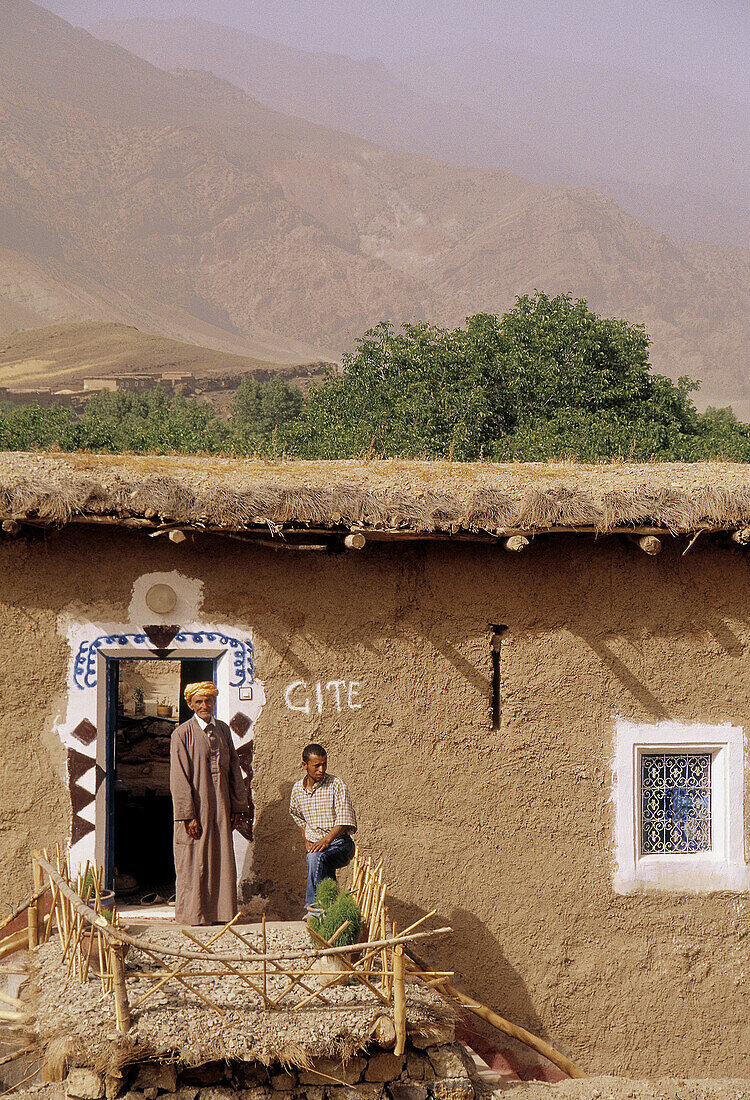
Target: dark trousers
325, 864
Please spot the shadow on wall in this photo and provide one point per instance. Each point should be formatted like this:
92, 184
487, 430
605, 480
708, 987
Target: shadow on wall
278, 866
476, 956
619, 670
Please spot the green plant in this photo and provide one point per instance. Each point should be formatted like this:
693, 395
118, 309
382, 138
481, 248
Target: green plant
343, 909
87, 886
326, 893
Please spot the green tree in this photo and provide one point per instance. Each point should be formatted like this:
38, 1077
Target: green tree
261, 413
548, 377
421, 391
153, 421
30, 428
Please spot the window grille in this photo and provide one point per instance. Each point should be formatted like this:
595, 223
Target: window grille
675, 802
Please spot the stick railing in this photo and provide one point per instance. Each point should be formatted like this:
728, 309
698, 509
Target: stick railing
86, 933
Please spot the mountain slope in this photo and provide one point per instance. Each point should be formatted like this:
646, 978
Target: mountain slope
670, 153
63, 354
186, 207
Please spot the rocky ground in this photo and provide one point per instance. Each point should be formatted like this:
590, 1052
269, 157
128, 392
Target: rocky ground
176, 1023
593, 1088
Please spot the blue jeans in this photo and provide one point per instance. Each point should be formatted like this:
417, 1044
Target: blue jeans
325, 864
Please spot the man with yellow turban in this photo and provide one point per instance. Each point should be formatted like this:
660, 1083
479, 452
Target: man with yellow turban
209, 798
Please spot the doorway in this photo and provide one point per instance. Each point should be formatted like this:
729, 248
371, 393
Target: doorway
145, 703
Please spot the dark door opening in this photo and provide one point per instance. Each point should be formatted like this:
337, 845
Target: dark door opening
145, 705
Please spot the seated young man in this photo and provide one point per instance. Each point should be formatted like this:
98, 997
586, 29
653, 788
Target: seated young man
321, 807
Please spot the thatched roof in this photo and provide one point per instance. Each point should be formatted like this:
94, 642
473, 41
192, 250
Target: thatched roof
393, 496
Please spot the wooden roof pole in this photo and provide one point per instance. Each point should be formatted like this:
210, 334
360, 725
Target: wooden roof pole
449, 991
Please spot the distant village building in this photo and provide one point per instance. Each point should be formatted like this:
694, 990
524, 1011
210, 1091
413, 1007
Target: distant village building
132, 383
533, 678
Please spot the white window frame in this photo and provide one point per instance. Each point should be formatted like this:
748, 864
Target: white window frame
721, 868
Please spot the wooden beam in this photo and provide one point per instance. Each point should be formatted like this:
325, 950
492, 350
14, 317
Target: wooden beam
500, 1023
122, 1007
259, 533
111, 932
649, 544
399, 1000
516, 543
355, 540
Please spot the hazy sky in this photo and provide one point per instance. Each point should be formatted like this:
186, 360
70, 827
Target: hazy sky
698, 41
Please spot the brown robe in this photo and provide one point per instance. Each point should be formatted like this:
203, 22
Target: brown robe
207, 784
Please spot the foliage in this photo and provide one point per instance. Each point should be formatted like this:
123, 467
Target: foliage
260, 410
338, 908
326, 893
548, 379
343, 909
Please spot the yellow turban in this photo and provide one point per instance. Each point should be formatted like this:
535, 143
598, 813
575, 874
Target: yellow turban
205, 686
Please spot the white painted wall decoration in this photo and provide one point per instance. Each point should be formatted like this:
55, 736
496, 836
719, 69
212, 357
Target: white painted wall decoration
182, 633
338, 695
723, 867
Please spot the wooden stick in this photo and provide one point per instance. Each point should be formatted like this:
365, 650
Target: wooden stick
193, 975
52, 912
339, 931
265, 949
23, 907
377, 908
87, 964
62, 904
16, 1054
11, 1017
72, 961
173, 973
399, 1000
100, 949
367, 888
122, 1008
155, 988
38, 889
505, 1026
318, 993
348, 966
384, 951
14, 943
33, 927
8, 1000
416, 923
280, 969
333, 981
232, 970
94, 933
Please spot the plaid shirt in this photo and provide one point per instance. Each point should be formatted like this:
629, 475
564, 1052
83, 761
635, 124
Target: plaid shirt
320, 810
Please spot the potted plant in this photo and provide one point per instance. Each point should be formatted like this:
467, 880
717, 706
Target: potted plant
163, 709
140, 701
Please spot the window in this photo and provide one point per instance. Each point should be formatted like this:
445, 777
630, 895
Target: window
678, 795
675, 802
